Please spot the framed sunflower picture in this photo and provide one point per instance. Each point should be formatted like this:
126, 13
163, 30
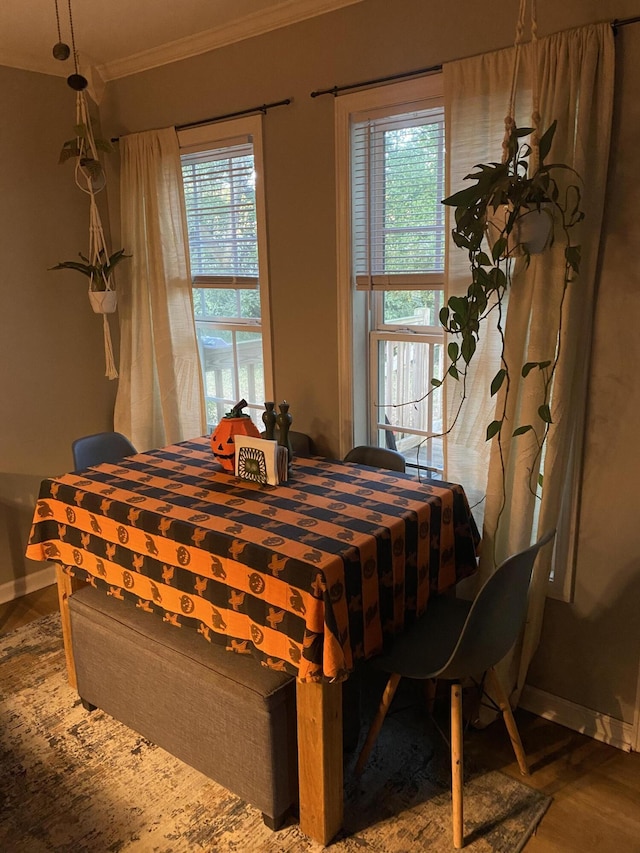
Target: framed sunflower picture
260, 460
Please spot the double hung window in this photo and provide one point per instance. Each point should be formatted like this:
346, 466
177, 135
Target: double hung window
391, 182
222, 175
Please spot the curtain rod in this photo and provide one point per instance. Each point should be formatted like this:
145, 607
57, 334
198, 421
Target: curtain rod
615, 24
259, 109
334, 90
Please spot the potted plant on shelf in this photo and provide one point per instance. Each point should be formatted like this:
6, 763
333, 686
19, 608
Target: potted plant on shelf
496, 220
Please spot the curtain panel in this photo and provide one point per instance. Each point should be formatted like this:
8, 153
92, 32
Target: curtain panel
575, 71
160, 397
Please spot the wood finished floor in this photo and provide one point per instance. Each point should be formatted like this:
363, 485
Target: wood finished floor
595, 787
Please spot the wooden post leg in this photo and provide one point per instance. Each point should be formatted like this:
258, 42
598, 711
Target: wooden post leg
319, 712
66, 587
509, 721
376, 725
457, 765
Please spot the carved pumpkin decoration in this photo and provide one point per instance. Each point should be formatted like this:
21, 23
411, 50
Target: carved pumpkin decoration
222, 441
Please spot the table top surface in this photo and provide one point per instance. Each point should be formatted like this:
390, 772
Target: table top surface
310, 575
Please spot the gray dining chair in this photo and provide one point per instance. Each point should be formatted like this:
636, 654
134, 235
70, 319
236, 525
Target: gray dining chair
455, 640
100, 447
301, 443
376, 457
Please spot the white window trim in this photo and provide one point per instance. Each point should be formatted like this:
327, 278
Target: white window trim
226, 133
390, 96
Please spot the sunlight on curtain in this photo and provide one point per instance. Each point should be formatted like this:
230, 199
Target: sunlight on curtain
576, 77
160, 397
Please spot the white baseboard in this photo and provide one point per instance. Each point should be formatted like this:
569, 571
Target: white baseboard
578, 718
28, 583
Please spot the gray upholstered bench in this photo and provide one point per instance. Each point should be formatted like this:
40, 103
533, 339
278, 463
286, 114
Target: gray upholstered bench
222, 713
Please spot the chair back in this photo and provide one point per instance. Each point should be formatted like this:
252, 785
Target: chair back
496, 616
101, 447
301, 443
376, 457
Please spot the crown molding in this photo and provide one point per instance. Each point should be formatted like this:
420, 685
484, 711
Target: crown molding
283, 15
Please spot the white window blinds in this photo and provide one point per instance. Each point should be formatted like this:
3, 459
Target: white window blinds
397, 179
219, 188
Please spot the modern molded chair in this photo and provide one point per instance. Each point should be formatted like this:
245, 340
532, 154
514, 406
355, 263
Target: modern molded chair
458, 639
101, 447
376, 457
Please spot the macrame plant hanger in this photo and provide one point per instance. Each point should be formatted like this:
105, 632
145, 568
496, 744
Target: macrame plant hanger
102, 294
510, 120
103, 300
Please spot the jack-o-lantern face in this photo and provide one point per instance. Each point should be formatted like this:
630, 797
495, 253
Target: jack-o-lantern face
222, 442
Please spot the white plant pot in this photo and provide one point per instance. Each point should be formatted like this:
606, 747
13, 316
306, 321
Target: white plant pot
531, 232
103, 301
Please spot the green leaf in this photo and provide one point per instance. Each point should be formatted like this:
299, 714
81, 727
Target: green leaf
521, 430
67, 154
453, 350
493, 429
468, 348
528, 367
104, 145
540, 479
436, 382
74, 265
499, 248
498, 379
460, 241
545, 413
459, 305
453, 371
572, 257
463, 198
545, 141
444, 316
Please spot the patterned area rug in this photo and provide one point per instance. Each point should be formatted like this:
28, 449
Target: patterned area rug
73, 781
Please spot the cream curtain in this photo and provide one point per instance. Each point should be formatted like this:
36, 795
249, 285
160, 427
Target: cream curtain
160, 397
576, 76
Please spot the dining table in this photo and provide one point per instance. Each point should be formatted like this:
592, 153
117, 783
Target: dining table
310, 576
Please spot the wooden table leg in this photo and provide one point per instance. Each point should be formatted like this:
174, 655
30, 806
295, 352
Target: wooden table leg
319, 711
66, 587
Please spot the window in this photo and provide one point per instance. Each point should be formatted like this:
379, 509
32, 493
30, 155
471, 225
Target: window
391, 253
222, 174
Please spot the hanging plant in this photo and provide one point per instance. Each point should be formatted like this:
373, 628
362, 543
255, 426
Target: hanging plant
493, 220
98, 265
81, 149
511, 211
99, 272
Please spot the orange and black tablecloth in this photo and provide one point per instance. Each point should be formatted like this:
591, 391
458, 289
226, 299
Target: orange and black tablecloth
310, 575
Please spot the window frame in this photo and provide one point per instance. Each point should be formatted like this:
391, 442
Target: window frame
354, 371
221, 135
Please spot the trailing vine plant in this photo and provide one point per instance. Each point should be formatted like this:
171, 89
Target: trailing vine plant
494, 220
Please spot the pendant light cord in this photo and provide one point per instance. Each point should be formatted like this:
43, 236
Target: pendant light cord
58, 21
73, 39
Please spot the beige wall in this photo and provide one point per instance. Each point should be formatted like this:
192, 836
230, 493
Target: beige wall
589, 650
51, 360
